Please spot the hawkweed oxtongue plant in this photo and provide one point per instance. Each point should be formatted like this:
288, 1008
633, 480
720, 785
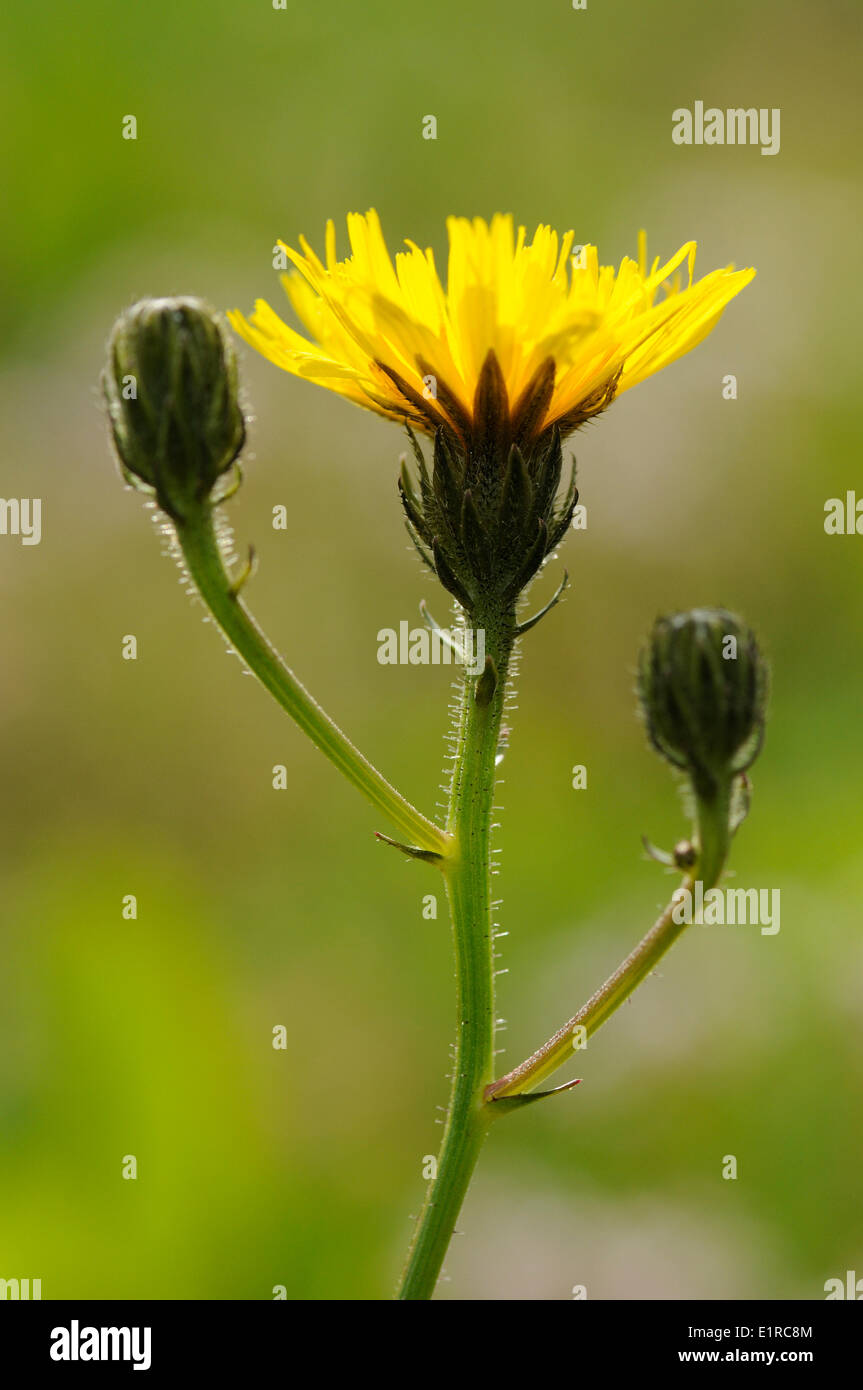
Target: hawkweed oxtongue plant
527, 341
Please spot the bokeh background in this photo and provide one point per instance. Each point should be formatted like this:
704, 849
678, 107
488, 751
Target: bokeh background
257, 908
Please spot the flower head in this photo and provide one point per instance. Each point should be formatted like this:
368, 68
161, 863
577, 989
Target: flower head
525, 343
567, 333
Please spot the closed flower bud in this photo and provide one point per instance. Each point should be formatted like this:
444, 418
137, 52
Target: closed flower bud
703, 688
171, 392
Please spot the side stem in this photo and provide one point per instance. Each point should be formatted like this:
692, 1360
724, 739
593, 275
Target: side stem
468, 880
200, 546
713, 844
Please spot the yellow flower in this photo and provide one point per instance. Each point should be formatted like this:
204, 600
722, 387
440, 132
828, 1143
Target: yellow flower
568, 334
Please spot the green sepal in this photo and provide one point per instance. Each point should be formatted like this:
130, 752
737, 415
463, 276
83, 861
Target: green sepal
517, 498
448, 578
475, 538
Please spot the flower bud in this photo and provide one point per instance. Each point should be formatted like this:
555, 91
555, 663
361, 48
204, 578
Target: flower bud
703, 689
170, 388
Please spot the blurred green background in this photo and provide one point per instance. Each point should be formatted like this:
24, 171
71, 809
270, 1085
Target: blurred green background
257, 908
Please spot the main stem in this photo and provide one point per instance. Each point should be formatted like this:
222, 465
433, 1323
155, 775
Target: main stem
468, 881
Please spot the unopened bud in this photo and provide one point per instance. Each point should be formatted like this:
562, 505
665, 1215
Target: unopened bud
171, 392
703, 689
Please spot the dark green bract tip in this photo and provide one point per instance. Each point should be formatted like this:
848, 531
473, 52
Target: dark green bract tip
703, 689
494, 502
170, 388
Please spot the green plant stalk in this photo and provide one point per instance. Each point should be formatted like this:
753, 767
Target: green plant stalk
468, 881
200, 545
713, 844
463, 852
